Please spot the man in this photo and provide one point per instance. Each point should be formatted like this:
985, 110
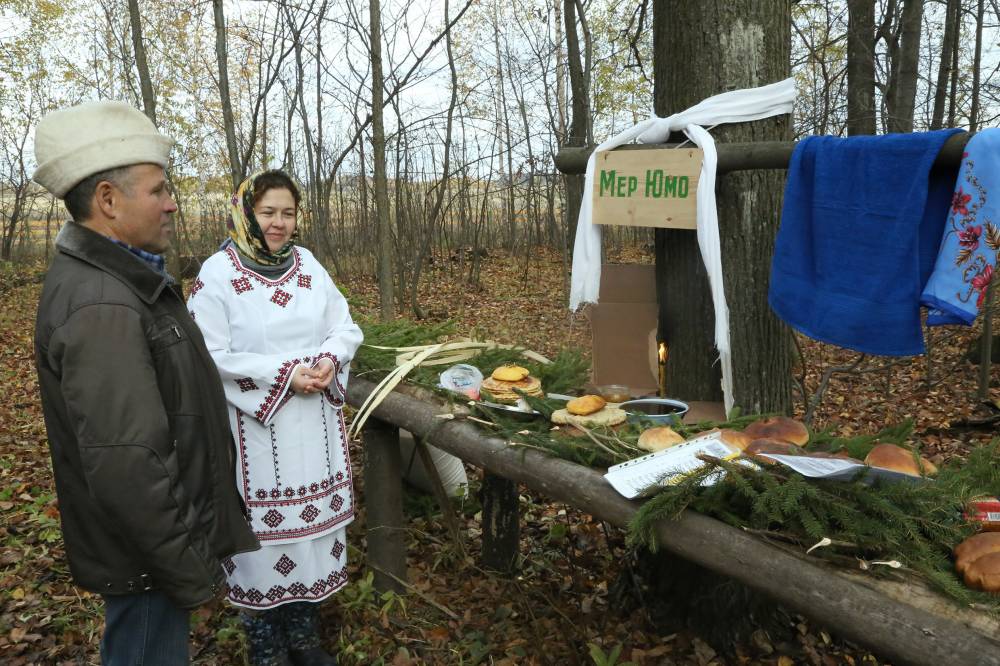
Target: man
135, 411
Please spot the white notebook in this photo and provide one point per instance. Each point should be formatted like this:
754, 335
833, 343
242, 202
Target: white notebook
643, 476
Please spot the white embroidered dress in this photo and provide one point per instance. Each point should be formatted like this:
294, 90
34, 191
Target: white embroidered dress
293, 470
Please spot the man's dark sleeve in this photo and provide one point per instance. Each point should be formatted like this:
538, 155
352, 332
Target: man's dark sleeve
128, 458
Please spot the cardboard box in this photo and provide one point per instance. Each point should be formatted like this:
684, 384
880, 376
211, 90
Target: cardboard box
623, 325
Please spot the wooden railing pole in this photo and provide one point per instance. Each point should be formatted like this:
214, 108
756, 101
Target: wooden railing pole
385, 531
744, 156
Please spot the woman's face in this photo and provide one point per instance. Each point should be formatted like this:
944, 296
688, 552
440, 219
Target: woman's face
275, 212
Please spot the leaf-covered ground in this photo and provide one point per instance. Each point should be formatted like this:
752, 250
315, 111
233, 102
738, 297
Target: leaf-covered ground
564, 606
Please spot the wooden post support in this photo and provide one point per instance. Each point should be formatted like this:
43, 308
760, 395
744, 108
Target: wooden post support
385, 533
501, 530
447, 510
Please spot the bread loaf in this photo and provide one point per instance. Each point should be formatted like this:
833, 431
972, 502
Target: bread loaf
585, 404
983, 573
657, 439
896, 458
780, 428
974, 547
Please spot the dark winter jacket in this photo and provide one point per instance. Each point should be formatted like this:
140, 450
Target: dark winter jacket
138, 427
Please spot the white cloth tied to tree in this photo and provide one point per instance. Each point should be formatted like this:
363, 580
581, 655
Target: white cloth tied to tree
736, 106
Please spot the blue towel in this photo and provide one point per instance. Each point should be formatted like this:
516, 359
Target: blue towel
957, 288
860, 231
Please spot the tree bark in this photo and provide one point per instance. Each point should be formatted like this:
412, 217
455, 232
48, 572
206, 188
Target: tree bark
385, 277
580, 121
901, 93
145, 83
730, 44
976, 69
861, 67
222, 57
945, 72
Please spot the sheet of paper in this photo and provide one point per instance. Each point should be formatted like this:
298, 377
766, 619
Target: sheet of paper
836, 469
644, 475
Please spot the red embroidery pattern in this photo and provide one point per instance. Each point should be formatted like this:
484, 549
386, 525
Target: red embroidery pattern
338, 549
278, 388
305, 281
283, 280
284, 565
336, 502
295, 592
309, 513
196, 287
281, 297
230, 566
273, 518
247, 384
241, 285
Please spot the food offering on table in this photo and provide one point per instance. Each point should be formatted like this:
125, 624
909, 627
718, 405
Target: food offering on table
977, 560
589, 411
735, 438
779, 428
659, 438
501, 384
985, 511
898, 459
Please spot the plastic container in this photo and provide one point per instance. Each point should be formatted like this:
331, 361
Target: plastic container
614, 393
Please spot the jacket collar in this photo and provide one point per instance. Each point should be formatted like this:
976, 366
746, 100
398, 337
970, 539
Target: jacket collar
78, 241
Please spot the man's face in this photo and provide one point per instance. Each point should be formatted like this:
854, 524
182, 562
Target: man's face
145, 209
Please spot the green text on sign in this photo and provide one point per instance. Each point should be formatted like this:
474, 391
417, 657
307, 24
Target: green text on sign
657, 185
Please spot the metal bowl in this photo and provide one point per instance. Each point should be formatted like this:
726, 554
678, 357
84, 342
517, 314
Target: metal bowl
664, 411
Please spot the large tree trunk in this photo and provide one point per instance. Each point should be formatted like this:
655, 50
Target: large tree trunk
222, 57
861, 67
385, 285
901, 92
725, 44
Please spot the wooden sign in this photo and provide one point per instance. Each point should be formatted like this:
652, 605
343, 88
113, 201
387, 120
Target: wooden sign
647, 188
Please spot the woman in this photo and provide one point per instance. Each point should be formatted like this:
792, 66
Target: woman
282, 338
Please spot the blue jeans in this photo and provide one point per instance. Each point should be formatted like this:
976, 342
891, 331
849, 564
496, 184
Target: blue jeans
144, 629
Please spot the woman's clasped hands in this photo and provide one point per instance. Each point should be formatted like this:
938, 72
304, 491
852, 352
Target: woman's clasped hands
314, 379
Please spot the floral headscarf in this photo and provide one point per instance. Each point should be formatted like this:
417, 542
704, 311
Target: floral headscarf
245, 231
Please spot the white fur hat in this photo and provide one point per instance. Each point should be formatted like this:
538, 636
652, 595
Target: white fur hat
72, 144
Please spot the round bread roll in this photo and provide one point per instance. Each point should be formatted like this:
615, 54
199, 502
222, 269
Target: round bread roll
984, 573
510, 373
585, 404
975, 547
896, 458
734, 438
762, 446
609, 416
780, 428
657, 439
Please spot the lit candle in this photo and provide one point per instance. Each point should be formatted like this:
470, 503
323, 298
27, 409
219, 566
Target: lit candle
662, 355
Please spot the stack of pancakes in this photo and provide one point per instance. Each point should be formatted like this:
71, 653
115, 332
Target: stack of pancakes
506, 378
